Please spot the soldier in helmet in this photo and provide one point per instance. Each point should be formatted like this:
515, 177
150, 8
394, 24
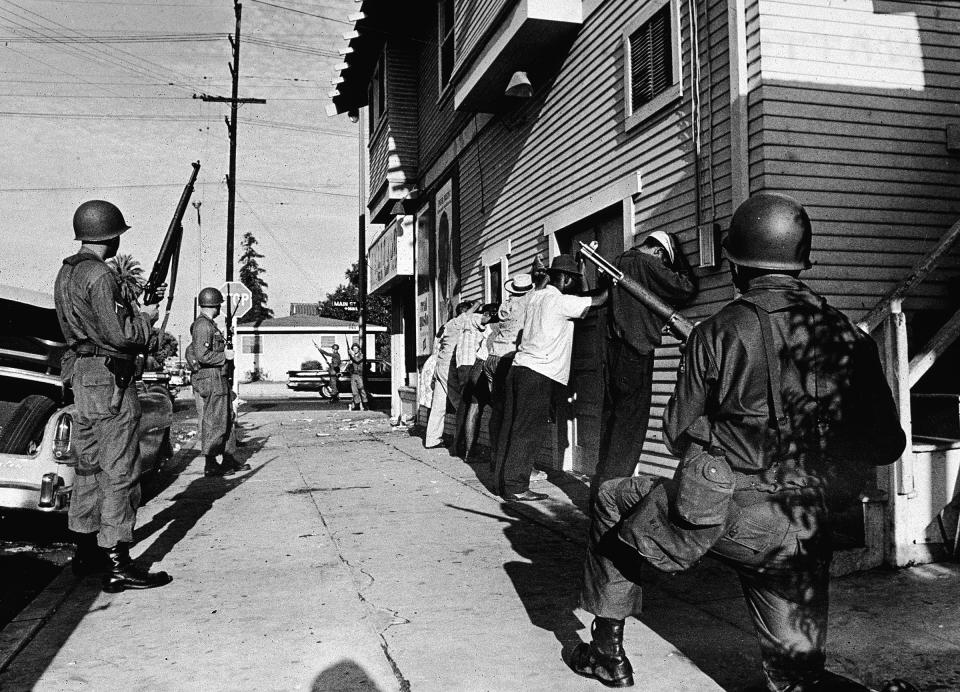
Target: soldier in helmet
104, 333
784, 391
211, 385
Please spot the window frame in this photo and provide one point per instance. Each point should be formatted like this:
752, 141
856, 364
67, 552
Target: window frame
257, 344
633, 118
497, 255
445, 33
377, 94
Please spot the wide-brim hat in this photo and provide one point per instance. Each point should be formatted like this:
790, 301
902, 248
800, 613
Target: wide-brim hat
564, 264
519, 284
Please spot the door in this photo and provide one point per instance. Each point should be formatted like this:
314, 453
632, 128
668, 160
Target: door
579, 416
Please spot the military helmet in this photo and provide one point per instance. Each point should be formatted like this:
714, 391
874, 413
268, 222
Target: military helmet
770, 231
97, 220
210, 297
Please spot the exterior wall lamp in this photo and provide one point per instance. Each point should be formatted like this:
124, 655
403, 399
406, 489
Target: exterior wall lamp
519, 86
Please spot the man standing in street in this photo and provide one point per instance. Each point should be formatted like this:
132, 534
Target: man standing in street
789, 401
501, 349
211, 384
104, 333
542, 363
334, 363
359, 402
633, 332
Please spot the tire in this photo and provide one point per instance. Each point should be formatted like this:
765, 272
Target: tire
26, 424
325, 391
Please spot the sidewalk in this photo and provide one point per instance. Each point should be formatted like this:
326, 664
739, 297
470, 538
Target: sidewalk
350, 558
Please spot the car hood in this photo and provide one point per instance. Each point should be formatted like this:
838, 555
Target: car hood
30, 336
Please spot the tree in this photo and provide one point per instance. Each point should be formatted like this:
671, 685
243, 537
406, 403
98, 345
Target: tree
130, 273
378, 307
168, 347
251, 275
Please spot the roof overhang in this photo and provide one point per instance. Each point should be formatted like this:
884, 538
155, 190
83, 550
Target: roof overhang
530, 36
372, 23
254, 329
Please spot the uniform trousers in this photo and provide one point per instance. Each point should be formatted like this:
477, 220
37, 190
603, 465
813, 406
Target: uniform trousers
526, 411
231, 445
106, 490
780, 548
438, 405
626, 411
357, 389
215, 412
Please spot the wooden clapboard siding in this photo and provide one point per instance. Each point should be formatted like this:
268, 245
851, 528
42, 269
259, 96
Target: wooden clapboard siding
401, 94
472, 20
849, 116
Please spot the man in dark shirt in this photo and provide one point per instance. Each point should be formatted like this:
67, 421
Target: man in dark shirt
632, 335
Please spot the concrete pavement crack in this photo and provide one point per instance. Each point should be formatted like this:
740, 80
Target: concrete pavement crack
384, 645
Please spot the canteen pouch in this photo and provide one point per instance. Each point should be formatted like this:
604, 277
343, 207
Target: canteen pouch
681, 519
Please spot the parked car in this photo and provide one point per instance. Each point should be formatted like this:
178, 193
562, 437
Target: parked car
37, 462
378, 380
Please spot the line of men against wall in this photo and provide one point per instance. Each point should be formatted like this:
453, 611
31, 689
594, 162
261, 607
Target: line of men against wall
780, 413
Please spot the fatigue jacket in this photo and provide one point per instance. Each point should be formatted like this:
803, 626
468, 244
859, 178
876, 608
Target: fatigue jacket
834, 393
92, 310
208, 344
630, 320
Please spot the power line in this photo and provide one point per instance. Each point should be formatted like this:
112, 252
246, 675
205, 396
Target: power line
144, 186
309, 14
115, 38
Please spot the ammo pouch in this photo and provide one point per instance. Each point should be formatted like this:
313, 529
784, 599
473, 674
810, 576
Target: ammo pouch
681, 519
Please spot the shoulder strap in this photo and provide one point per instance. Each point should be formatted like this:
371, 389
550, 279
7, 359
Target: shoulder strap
773, 373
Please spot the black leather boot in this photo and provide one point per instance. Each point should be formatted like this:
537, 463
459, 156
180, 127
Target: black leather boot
89, 558
211, 467
125, 575
603, 658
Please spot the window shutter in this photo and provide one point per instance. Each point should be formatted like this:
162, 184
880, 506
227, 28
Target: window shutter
651, 59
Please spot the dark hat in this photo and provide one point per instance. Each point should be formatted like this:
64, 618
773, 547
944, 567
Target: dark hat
565, 264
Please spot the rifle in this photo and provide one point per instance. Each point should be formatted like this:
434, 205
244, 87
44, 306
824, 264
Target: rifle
679, 325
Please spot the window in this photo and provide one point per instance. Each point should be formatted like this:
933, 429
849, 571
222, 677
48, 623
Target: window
327, 340
445, 33
651, 61
251, 344
495, 283
376, 95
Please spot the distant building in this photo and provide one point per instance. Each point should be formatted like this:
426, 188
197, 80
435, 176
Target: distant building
304, 309
283, 343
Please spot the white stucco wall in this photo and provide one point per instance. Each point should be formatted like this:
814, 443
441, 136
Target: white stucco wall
282, 351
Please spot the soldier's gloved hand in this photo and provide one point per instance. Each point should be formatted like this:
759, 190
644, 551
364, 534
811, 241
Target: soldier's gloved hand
152, 311
228, 353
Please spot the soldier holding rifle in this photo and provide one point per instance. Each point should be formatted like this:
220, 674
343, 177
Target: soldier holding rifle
211, 384
780, 412
104, 333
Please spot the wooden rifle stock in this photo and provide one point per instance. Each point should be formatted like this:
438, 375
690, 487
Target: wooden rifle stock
678, 325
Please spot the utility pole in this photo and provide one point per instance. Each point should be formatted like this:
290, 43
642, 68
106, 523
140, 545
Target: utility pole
196, 205
234, 102
362, 259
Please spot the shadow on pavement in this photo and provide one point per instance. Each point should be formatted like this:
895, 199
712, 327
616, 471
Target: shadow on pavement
344, 676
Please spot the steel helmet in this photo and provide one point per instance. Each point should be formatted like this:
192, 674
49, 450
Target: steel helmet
210, 297
770, 231
97, 220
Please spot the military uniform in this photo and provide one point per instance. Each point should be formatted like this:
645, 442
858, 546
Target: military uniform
104, 335
832, 389
211, 387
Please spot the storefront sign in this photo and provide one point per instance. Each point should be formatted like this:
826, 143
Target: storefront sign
390, 257
424, 277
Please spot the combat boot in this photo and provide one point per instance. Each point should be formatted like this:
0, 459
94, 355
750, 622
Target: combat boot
89, 558
604, 658
125, 575
211, 467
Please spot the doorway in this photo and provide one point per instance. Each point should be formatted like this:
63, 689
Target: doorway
579, 413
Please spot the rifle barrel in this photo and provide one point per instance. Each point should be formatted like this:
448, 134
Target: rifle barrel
679, 325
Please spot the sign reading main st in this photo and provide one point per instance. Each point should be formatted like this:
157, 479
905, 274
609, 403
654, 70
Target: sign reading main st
238, 299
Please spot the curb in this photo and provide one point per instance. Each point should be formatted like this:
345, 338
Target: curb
24, 627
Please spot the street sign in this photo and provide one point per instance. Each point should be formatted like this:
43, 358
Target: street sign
238, 299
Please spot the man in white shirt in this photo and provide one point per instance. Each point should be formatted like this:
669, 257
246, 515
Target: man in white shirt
541, 364
446, 343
